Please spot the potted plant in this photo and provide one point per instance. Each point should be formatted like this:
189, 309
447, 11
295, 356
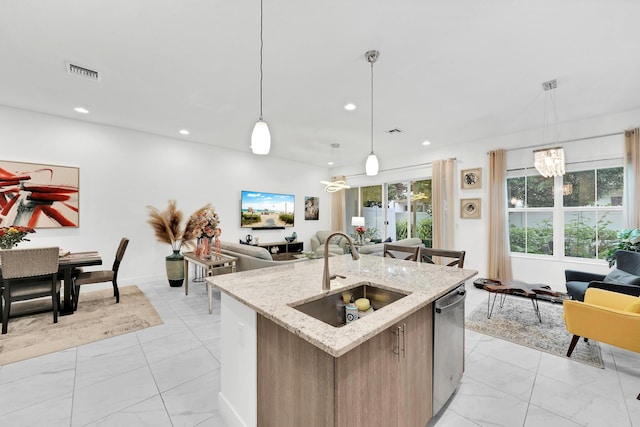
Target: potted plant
168, 228
628, 240
11, 236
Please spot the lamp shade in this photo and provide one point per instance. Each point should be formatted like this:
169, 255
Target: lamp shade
357, 221
260, 138
372, 165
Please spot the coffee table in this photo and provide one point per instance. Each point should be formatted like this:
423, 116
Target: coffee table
517, 288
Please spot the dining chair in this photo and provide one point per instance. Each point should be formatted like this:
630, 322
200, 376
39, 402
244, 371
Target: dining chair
100, 276
396, 251
427, 255
29, 274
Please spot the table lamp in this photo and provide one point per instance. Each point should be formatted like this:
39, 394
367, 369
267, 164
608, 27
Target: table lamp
357, 221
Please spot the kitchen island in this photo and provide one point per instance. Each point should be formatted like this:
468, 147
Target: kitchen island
281, 366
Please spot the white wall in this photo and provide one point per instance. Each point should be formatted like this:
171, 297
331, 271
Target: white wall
123, 171
471, 235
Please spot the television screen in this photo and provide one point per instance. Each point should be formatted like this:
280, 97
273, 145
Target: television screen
266, 210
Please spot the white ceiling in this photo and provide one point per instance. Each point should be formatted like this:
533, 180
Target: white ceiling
450, 71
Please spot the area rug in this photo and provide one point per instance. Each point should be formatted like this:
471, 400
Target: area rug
98, 317
517, 322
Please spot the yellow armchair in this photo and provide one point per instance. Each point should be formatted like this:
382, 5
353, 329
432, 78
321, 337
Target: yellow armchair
606, 317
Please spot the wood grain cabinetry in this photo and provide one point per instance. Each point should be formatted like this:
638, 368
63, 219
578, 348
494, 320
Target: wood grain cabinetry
385, 381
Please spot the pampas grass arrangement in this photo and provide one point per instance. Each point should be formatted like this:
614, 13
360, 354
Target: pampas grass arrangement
167, 225
168, 228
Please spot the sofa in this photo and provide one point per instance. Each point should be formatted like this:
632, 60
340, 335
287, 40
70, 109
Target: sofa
251, 257
625, 278
378, 248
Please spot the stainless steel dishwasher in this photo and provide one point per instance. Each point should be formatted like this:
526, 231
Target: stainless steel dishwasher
448, 346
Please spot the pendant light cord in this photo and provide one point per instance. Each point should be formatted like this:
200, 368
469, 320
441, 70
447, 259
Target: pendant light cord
261, 48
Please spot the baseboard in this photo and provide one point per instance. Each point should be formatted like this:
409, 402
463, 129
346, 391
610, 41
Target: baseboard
228, 413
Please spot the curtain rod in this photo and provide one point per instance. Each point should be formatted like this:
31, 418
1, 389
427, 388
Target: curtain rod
570, 163
399, 168
566, 141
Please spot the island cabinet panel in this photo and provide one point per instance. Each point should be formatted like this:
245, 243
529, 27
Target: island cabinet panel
385, 381
367, 383
416, 369
295, 379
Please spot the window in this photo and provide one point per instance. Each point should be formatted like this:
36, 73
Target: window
531, 204
575, 215
592, 205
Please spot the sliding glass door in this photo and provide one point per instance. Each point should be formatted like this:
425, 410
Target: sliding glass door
405, 212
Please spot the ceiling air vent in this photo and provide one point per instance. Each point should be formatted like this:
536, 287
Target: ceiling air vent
76, 70
394, 130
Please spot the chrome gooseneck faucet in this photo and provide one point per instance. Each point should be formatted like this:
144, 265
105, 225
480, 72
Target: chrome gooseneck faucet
326, 277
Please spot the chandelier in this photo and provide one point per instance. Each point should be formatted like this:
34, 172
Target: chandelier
337, 183
550, 161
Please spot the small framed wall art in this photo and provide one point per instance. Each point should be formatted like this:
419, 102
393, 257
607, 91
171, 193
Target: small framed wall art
471, 178
311, 208
470, 208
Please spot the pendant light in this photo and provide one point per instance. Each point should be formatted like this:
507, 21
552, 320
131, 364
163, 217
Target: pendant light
372, 165
337, 183
550, 161
260, 137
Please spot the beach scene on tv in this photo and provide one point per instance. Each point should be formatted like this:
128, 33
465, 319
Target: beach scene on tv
267, 210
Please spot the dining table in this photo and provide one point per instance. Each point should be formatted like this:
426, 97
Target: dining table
66, 265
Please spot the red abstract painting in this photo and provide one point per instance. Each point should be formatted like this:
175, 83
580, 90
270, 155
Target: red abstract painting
38, 195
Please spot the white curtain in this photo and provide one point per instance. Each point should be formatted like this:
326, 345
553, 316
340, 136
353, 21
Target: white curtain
442, 189
338, 209
632, 171
499, 262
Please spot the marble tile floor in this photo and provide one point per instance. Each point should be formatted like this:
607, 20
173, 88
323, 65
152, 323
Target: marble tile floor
169, 375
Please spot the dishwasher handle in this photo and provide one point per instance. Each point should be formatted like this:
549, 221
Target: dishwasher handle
461, 296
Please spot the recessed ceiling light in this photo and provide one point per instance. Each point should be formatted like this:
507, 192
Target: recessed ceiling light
184, 131
330, 163
81, 110
350, 107
425, 143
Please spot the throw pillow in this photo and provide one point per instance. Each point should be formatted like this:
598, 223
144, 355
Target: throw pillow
387, 240
634, 307
622, 278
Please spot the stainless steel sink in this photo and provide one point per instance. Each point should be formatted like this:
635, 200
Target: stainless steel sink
330, 308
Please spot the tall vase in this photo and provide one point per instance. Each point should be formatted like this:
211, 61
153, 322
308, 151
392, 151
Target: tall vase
175, 268
203, 248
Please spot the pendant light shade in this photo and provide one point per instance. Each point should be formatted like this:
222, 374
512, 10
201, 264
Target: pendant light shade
260, 138
371, 166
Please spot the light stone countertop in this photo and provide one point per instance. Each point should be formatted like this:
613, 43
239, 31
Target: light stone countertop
272, 291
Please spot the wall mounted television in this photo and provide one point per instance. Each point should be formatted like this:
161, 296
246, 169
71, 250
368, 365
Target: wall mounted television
266, 211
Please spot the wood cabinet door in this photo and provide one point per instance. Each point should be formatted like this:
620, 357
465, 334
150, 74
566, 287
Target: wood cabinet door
367, 383
416, 369
295, 380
